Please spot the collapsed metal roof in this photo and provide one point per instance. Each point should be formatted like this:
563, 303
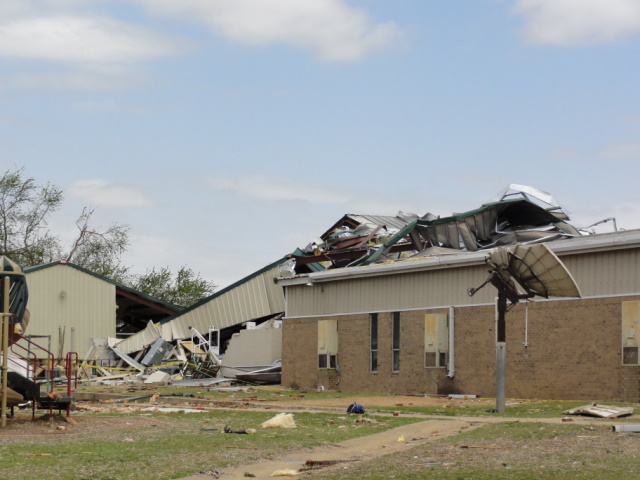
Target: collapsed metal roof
518, 214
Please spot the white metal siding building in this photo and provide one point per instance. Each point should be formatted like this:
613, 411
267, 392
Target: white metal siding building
71, 306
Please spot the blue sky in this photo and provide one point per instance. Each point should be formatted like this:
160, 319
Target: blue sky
227, 133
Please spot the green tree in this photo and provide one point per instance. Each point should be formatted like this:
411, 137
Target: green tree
25, 209
184, 288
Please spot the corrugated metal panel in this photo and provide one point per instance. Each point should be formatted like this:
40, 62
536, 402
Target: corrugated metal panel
256, 298
596, 273
391, 222
605, 273
390, 292
87, 307
140, 340
254, 347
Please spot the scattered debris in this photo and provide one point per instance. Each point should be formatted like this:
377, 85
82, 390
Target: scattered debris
282, 420
364, 420
595, 410
249, 431
626, 428
213, 473
485, 446
317, 464
285, 472
171, 410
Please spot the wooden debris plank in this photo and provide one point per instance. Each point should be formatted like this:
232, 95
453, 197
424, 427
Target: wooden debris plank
189, 345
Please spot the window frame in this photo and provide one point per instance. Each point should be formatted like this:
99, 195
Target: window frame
374, 334
630, 326
395, 342
436, 341
328, 351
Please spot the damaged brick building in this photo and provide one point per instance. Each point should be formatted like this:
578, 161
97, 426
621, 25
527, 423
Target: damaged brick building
395, 316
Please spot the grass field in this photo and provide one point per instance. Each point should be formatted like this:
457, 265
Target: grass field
108, 440
512, 450
160, 446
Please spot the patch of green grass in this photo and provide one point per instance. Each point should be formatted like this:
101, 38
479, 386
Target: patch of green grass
514, 408
261, 394
164, 446
512, 450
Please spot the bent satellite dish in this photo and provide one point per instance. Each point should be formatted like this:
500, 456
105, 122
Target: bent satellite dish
537, 272
534, 268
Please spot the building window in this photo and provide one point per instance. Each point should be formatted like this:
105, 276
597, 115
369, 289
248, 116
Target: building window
630, 333
327, 344
395, 343
373, 341
436, 340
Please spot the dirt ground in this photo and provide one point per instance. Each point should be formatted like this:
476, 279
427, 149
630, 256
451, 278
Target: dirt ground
22, 425
349, 452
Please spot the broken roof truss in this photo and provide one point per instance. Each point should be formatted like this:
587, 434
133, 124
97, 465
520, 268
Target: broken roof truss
519, 214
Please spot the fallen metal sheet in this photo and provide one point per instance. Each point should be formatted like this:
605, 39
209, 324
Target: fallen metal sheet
601, 411
199, 382
128, 359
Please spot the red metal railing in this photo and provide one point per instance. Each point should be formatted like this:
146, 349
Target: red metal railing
48, 368
70, 370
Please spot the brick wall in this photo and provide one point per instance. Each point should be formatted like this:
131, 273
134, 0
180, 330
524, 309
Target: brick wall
573, 352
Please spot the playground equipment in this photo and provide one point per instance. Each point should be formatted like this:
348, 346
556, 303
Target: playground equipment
18, 389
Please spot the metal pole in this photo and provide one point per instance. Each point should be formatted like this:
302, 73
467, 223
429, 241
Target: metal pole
5, 351
501, 351
501, 366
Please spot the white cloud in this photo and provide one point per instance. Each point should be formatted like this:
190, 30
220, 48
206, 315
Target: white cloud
104, 194
82, 39
331, 29
76, 45
575, 23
